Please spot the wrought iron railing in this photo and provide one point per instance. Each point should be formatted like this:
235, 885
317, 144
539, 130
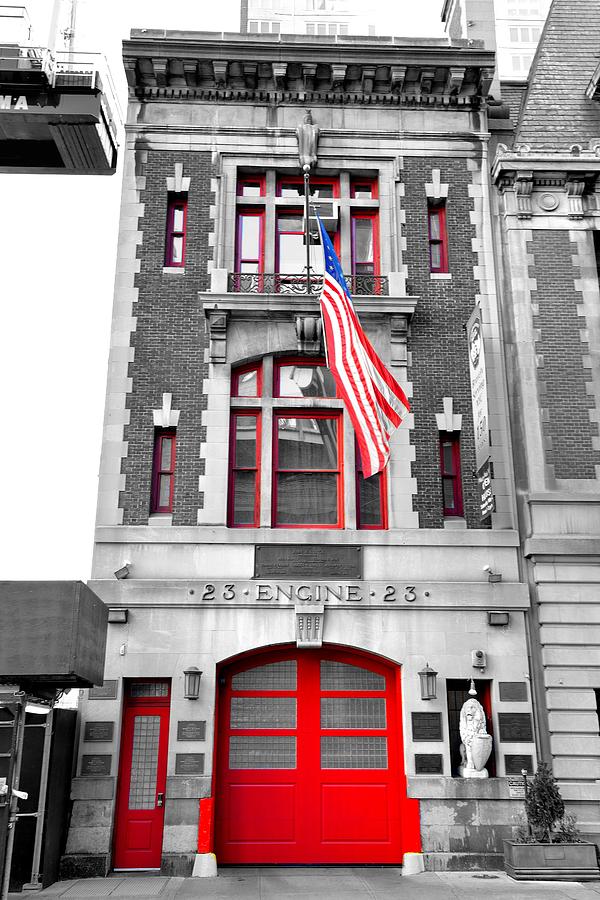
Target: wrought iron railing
278, 283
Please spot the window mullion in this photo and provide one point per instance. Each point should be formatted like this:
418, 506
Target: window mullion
269, 238
349, 466
266, 450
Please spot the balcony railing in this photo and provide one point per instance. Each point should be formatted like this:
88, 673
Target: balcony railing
278, 283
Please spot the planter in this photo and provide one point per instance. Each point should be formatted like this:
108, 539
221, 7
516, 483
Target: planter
551, 862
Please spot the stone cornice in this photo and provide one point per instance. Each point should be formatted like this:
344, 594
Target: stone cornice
538, 164
180, 66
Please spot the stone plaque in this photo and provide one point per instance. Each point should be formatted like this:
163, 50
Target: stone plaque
515, 763
515, 727
98, 731
427, 726
96, 763
191, 730
516, 788
308, 561
189, 763
513, 691
108, 691
429, 764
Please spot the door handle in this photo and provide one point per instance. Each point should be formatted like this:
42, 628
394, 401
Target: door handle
160, 800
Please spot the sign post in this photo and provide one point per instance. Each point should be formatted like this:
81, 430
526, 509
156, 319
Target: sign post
480, 413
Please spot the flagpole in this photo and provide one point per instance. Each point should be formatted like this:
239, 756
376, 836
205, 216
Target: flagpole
306, 170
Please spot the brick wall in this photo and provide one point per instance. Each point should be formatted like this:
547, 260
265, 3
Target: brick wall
562, 375
169, 339
438, 344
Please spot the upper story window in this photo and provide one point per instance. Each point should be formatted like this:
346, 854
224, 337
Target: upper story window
450, 473
295, 479
264, 27
330, 28
438, 238
176, 230
365, 244
250, 240
163, 471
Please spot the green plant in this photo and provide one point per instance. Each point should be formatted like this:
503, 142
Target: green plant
567, 831
544, 805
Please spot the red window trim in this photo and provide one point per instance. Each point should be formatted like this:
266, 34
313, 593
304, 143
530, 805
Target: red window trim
454, 439
175, 201
242, 370
281, 361
157, 470
383, 504
373, 183
251, 179
235, 414
442, 241
310, 414
374, 216
296, 211
242, 212
298, 179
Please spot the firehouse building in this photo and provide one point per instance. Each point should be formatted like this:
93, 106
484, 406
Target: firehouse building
290, 644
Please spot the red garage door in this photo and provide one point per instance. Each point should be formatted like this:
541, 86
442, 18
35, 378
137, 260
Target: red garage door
309, 760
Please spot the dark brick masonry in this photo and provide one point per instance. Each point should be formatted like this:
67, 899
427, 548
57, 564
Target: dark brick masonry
562, 376
440, 366
169, 340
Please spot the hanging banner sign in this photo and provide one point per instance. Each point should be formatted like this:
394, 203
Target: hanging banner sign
478, 388
486, 495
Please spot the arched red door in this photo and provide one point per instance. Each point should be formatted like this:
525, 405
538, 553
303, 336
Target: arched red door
309, 759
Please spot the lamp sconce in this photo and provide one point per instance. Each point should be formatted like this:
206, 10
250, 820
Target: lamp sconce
192, 683
493, 577
428, 678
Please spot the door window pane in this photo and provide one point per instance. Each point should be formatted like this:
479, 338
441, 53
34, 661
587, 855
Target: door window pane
354, 753
263, 712
306, 381
305, 443
353, 712
178, 219
307, 499
336, 676
279, 676
177, 249
434, 226
144, 761
436, 256
164, 493
268, 752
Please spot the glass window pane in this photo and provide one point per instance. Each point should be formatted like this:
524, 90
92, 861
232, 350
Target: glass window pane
290, 223
364, 268
337, 676
144, 762
266, 752
307, 443
436, 256
245, 441
263, 712
250, 190
434, 226
178, 218
264, 27
244, 498
290, 190
321, 29
321, 191
363, 240
306, 381
275, 27
354, 753
252, 267
250, 237
279, 676
362, 191
247, 384
292, 254
448, 485
369, 496
447, 460
353, 712
164, 493
177, 249
307, 499
166, 449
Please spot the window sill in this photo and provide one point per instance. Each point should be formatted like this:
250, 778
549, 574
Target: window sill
173, 270
440, 276
455, 523
160, 519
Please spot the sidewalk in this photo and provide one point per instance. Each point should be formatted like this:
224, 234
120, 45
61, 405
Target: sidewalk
320, 884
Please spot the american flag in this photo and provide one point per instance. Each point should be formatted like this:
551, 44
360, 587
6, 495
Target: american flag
375, 401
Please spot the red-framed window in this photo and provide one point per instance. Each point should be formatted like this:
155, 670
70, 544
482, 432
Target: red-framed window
320, 188
247, 381
244, 469
250, 240
371, 496
450, 472
364, 189
163, 471
307, 469
438, 238
251, 186
299, 376
176, 230
365, 243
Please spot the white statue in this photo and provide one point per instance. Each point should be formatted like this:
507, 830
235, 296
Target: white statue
476, 742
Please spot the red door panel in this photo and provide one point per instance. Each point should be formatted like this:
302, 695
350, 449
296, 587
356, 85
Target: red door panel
309, 761
142, 777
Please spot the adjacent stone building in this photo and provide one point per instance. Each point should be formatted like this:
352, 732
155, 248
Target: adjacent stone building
236, 535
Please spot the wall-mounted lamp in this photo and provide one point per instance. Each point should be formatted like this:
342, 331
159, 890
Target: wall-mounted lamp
123, 572
493, 577
428, 678
498, 617
37, 707
192, 683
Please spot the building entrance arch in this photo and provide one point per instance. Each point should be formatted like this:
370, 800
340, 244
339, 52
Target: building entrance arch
309, 760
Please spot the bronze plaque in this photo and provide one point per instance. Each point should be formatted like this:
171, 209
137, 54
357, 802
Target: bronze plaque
429, 764
317, 561
108, 691
98, 731
515, 763
191, 731
515, 727
427, 726
96, 763
513, 691
189, 763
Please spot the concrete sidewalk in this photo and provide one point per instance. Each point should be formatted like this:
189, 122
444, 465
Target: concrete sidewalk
347, 883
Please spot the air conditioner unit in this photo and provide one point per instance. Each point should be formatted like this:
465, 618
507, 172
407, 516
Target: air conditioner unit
329, 214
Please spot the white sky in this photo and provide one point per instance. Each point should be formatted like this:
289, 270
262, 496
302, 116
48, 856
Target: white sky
58, 237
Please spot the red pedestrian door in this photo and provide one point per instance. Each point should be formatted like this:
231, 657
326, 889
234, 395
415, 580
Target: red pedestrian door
309, 766
142, 776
